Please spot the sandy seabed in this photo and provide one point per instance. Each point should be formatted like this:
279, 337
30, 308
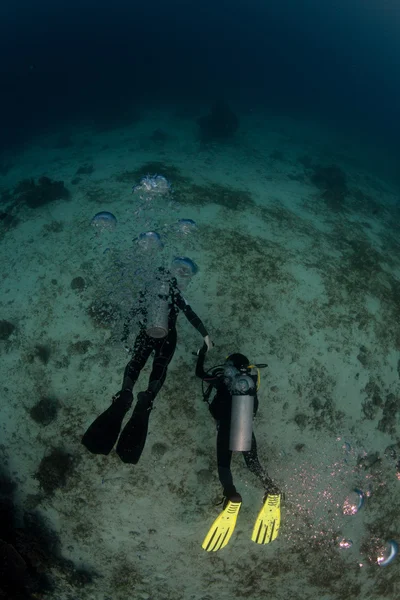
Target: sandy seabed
299, 268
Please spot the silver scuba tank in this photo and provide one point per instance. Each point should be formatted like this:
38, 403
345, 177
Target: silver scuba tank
241, 430
158, 311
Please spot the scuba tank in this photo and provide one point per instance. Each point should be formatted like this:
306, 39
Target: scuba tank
158, 311
243, 390
243, 386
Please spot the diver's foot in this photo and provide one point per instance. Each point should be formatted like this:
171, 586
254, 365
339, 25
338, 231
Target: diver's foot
223, 527
266, 527
103, 433
270, 489
123, 400
133, 437
231, 495
144, 402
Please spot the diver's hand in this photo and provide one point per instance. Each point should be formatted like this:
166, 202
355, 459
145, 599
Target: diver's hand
202, 350
208, 343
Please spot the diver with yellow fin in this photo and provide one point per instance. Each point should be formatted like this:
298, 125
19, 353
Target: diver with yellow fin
233, 407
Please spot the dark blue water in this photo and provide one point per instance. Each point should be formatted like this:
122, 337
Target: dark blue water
67, 61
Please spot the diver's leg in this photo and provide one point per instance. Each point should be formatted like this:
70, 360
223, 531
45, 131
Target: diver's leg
102, 434
133, 437
266, 526
143, 347
163, 356
254, 465
224, 457
223, 527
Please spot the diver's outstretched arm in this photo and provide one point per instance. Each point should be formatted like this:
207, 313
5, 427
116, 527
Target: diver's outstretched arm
189, 313
207, 376
201, 356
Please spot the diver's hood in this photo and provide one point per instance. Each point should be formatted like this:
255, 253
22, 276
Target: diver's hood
239, 361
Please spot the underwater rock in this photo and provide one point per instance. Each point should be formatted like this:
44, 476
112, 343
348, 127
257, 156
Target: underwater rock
160, 136
389, 418
8, 220
6, 329
219, 124
332, 182
391, 452
43, 192
85, 170
330, 178
40, 351
45, 411
78, 284
80, 347
301, 420
53, 227
159, 449
54, 470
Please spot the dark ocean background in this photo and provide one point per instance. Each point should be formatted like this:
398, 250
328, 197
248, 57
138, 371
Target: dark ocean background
71, 61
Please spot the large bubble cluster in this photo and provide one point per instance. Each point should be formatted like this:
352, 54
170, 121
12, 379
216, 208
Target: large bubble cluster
334, 499
153, 184
155, 239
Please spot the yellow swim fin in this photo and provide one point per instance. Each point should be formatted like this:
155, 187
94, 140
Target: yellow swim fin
266, 527
221, 530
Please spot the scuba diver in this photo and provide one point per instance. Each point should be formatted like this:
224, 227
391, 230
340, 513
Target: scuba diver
158, 309
234, 407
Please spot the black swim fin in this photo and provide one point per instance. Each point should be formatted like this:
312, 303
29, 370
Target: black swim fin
133, 437
102, 434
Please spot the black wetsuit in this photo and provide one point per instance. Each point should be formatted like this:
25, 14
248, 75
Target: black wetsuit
220, 408
102, 434
163, 348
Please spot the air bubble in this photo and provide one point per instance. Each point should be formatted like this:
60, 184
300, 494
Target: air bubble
353, 502
388, 553
150, 240
104, 220
186, 226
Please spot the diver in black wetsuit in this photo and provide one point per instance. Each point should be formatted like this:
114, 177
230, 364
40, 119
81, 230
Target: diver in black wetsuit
219, 378
157, 334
